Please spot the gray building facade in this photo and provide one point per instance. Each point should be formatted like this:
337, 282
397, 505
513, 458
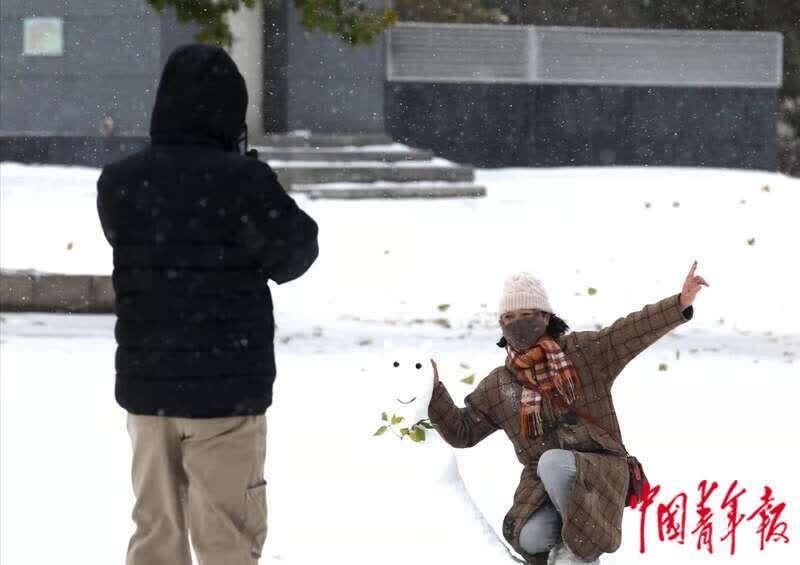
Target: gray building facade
484, 95
315, 82
547, 96
92, 101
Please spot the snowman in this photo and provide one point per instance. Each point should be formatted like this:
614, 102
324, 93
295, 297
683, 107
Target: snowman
430, 502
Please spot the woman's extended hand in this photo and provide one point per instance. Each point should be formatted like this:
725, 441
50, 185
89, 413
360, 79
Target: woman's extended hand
435, 373
691, 286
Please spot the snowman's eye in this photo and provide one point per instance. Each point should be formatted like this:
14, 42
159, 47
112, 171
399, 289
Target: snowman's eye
418, 365
396, 364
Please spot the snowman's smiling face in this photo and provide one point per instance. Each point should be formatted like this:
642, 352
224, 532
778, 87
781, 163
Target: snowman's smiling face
410, 383
418, 366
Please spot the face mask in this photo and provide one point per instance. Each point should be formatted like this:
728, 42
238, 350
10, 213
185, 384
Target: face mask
523, 333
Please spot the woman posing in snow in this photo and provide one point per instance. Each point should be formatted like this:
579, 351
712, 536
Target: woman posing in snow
552, 397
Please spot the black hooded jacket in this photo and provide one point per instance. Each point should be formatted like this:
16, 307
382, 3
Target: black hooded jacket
197, 230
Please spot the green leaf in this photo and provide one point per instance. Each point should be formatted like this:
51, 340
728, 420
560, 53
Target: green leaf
404, 431
468, 380
350, 22
384, 417
662, 366
396, 419
417, 435
443, 307
381, 431
353, 24
591, 291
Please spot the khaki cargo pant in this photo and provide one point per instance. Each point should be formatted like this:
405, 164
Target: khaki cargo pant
203, 476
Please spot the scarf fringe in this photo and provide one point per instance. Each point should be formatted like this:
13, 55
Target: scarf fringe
565, 386
532, 422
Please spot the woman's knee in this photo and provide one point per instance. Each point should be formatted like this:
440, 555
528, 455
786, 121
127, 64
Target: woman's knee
542, 531
556, 463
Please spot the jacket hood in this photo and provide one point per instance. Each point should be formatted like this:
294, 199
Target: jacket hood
201, 97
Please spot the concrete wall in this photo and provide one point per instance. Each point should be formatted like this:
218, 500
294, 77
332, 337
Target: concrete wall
113, 55
316, 82
497, 125
548, 96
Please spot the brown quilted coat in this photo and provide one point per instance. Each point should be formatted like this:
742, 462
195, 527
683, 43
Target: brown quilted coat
594, 512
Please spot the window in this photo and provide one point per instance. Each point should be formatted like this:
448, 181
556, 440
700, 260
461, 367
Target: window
43, 37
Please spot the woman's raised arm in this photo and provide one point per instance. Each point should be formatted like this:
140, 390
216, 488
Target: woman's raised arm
616, 345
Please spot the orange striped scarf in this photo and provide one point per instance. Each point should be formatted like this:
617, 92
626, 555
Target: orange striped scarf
545, 372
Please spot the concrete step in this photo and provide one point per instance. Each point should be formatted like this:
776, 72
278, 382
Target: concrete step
383, 190
25, 291
323, 140
369, 173
344, 155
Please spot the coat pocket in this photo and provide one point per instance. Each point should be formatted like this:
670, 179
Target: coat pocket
255, 517
576, 437
605, 441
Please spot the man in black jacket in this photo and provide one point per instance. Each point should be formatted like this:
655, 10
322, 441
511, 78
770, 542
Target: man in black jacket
197, 229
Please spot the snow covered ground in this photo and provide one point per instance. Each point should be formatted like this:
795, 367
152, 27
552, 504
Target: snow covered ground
422, 276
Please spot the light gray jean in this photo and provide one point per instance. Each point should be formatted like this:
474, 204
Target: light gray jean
556, 469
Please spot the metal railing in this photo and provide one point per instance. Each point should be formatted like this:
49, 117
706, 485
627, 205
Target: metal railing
423, 52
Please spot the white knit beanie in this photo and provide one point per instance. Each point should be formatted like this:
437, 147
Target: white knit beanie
523, 290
